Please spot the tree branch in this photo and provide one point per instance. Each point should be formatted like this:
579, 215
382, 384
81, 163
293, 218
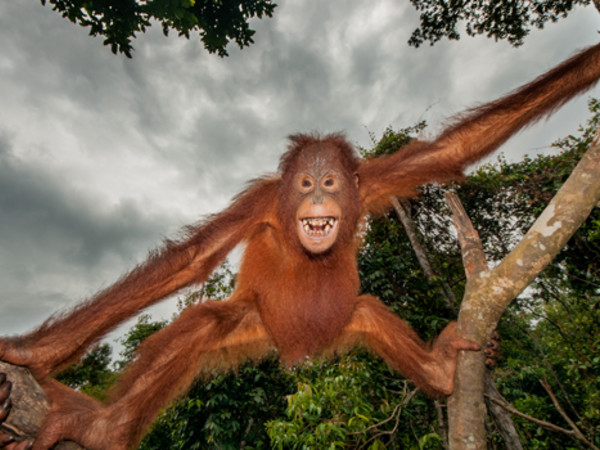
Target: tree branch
470, 244
503, 421
547, 425
441, 424
474, 262
395, 415
402, 208
576, 431
29, 406
489, 292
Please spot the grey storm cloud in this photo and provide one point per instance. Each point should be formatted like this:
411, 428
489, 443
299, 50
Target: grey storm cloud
102, 157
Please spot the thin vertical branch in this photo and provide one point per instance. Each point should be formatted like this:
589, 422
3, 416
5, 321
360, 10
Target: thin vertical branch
576, 431
501, 417
471, 247
402, 208
442, 424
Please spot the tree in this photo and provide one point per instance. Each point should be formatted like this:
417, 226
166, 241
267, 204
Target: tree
550, 368
489, 291
549, 333
547, 378
119, 21
225, 411
354, 401
92, 375
506, 19
142, 329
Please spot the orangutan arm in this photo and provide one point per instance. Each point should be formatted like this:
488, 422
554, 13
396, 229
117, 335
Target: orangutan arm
476, 134
63, 338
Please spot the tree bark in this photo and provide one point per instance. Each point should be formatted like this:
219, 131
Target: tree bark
502, 419
489, 292
29, 406
474, 250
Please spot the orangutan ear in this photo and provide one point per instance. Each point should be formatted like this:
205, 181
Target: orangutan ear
356, 179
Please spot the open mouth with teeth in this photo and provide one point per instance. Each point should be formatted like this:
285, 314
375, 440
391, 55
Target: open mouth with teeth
318, 226
317, 234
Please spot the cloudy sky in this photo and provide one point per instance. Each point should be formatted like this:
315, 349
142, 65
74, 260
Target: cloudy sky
102, 157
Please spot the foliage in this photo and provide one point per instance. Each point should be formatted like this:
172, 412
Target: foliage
352, 402
226, 412
392, 141
550, 333
559, 317
218, 287
134, 337
119, 21
92, 374
505, 19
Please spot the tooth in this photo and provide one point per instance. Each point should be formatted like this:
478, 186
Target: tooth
327, 228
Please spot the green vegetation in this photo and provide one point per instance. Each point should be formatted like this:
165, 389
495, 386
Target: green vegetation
220, 22
505, 19
119, 21
549, 335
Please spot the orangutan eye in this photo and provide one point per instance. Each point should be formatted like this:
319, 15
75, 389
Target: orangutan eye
306, 183
329, 182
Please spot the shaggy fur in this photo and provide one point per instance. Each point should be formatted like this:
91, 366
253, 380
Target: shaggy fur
290, 300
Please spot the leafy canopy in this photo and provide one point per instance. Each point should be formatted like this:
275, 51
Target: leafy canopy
506, 19
119, 21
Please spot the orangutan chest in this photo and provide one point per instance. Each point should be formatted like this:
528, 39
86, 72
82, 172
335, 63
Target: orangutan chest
305, 315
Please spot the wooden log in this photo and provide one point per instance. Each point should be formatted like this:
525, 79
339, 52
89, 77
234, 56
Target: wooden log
29, 406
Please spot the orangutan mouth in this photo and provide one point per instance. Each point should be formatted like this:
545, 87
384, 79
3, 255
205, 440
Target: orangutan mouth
318, 226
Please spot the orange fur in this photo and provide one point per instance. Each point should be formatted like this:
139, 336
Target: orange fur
476, 133
297, 293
